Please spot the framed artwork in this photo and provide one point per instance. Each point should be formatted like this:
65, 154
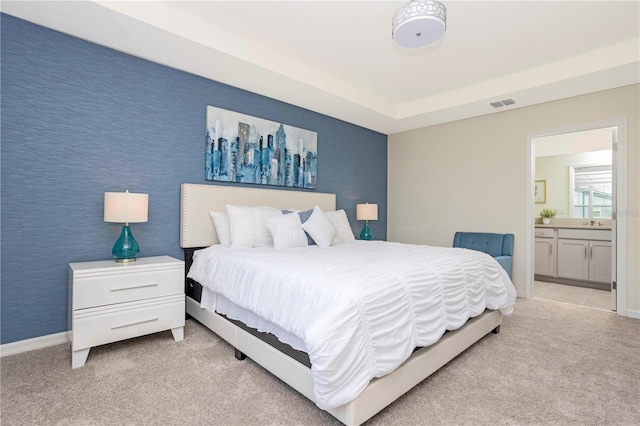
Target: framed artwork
245, 149
540, 192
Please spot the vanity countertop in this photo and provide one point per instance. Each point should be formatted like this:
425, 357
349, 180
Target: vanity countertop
552, 225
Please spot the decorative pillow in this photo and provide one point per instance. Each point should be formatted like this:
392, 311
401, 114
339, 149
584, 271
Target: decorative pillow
339, 220
248, 225
287, 231
221, 222
304, 216
319, 227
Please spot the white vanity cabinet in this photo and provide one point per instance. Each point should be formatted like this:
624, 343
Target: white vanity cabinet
545, 252
600, 262
584, 254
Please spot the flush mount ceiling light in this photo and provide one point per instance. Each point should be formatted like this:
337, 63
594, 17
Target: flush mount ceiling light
419, 23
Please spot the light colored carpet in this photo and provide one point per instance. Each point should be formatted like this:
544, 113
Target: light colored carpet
552, 363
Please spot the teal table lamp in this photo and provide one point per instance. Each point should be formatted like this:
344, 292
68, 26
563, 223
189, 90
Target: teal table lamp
125, 207
366, 212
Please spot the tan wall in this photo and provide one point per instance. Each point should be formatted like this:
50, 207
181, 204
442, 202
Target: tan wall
471, 175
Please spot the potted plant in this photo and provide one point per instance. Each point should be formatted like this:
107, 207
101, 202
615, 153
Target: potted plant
546, 215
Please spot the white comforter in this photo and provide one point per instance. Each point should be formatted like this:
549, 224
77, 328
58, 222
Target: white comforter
360, 307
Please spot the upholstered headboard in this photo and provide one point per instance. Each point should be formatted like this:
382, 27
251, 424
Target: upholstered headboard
196, 225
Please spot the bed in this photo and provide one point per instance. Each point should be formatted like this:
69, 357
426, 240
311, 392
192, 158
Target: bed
286, 360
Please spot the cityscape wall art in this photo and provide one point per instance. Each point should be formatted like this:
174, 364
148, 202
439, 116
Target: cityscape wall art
245, 149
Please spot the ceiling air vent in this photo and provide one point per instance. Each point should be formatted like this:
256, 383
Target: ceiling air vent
498, 104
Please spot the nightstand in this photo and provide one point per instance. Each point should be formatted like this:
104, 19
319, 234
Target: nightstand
110, 301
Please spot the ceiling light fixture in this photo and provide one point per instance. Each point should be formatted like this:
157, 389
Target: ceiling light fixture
419, 23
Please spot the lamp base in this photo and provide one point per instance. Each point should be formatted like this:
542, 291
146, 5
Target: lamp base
126, 247
366, 232
126, 260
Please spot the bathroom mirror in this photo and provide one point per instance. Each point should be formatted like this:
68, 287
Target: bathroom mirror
577, 170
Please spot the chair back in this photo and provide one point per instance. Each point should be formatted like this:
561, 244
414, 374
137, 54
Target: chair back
499, 246
492, 244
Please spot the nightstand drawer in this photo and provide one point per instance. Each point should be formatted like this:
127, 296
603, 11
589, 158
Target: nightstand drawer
129, 285
98, 326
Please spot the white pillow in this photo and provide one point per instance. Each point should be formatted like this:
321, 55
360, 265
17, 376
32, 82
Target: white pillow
248, 225
221, 222
304, 216
339, 220
287, 231
320, 229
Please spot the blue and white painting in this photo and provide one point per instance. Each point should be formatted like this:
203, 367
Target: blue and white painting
245, 149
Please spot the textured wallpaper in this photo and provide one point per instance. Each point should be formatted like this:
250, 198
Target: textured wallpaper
80, 119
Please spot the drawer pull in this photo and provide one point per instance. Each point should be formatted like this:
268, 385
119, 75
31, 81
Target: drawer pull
113, 327
131, 287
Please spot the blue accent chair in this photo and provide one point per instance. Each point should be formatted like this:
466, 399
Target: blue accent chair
500, 246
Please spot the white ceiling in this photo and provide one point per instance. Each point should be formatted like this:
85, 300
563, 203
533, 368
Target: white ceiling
338, 58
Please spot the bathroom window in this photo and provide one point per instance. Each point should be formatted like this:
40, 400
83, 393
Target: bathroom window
592, 192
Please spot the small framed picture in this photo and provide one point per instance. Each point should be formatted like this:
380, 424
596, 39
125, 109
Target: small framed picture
540, 192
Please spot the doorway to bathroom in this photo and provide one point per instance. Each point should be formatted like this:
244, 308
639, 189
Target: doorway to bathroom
576, 182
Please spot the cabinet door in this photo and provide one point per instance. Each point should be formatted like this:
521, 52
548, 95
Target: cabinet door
600, 261
573, 259
544, 256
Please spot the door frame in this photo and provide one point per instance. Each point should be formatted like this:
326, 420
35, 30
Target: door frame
618, 224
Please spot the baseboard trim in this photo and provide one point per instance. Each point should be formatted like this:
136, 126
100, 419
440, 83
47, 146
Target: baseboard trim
33, 344
632, 313
576, 283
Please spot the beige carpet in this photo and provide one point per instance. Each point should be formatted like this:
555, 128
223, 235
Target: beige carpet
552, 363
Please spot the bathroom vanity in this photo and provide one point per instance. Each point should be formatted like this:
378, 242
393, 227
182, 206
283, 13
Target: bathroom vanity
573, 254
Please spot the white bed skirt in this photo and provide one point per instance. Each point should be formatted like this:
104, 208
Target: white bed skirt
218, 303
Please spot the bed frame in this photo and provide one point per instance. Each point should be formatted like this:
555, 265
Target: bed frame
197, 230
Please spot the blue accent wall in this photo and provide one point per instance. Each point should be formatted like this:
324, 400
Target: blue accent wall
79, 119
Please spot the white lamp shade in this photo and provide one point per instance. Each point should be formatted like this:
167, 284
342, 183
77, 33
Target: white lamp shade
367, 211
126, 207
